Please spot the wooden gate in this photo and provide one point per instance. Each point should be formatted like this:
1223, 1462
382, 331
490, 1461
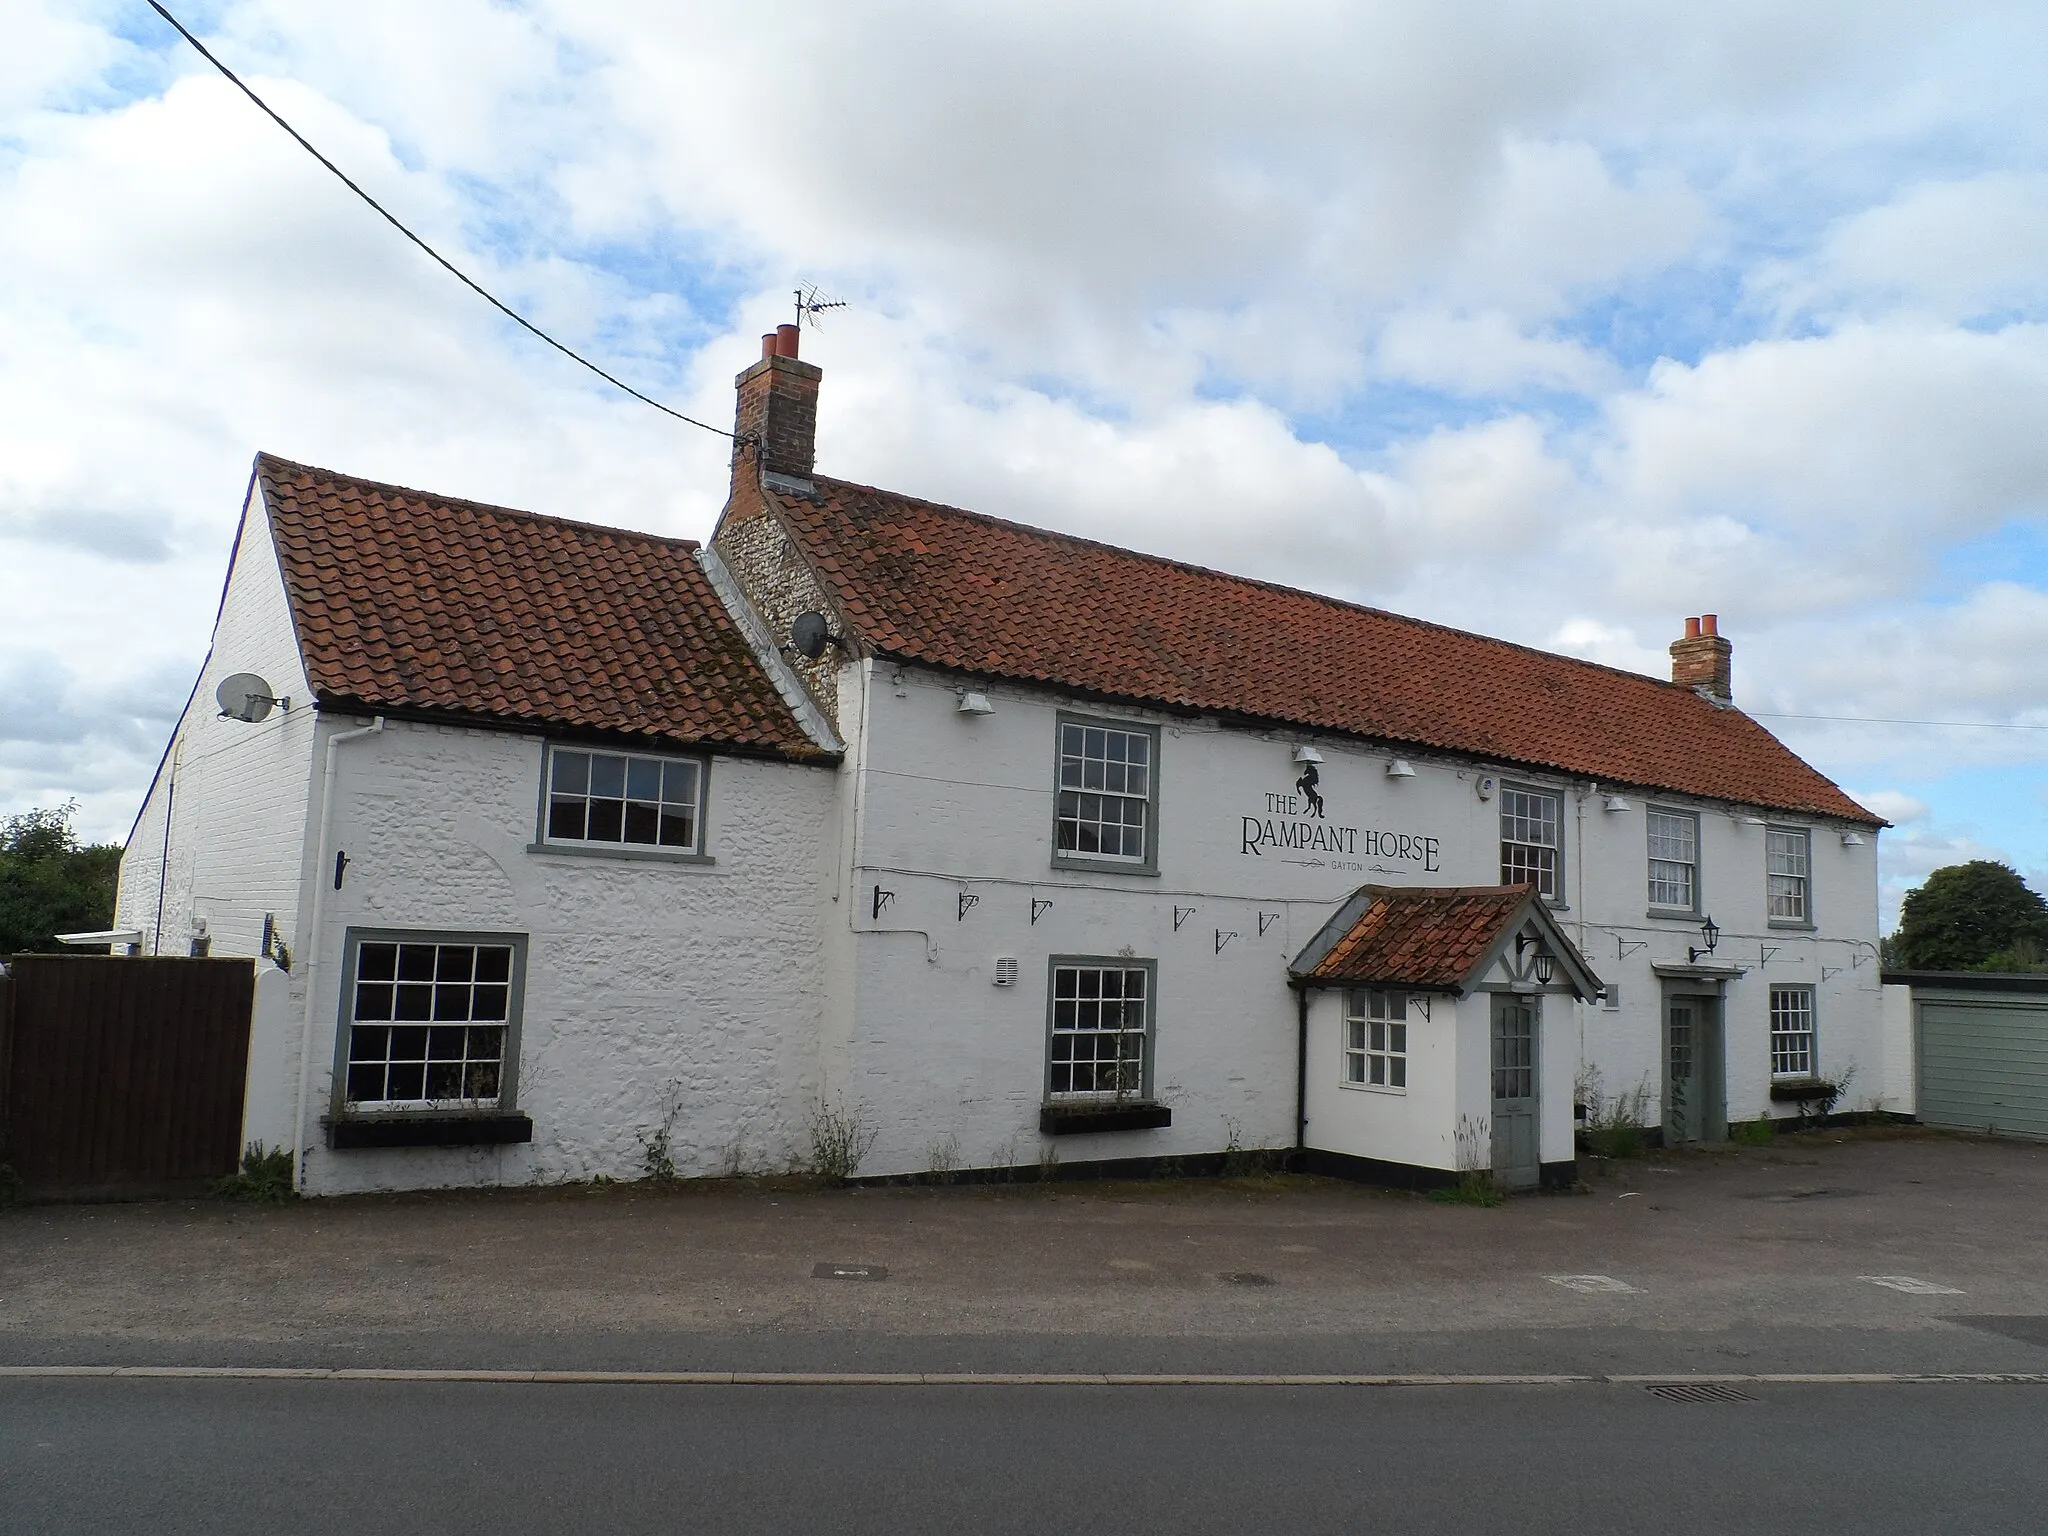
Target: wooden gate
122, 1078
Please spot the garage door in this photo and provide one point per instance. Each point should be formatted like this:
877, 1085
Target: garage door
1984, 1064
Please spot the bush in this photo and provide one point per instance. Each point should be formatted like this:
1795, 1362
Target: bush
1759, 1132
265, 1179
1614, 1127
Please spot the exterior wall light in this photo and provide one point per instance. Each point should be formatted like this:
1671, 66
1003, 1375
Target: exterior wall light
1546, 967
1307, 754
1709, 932
976, 704
1400, 768
1614, 803
1852, 839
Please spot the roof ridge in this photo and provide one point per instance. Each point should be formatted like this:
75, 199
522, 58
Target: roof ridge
271, 460
1261, 583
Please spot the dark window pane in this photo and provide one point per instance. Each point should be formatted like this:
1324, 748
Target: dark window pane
415, 962
643, 779
481, 1080
408, 1043
643, 821
607, 820
678, 829
444, 1080
451, 1000
607, 776
457, 960
679, 783
494, 963
368, 1043
377, 962
488, 1001
565, 818
366, 1083
373, 1000
572, 773
406, 1082
447, 1042
486, 1044
415, 1001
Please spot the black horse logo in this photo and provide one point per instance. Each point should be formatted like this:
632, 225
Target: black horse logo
1307, 785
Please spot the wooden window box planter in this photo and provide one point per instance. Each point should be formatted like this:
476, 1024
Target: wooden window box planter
1075, 1119
430, 1131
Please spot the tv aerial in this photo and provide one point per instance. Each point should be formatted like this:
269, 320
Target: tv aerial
811, 302
246, 697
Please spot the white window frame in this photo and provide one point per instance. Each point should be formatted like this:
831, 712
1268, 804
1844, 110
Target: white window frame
1070, 779
1691, 867
633, 765
1375, 1040
1795, 1033
1066, 983
1511, 796
1801, 882
365, 1004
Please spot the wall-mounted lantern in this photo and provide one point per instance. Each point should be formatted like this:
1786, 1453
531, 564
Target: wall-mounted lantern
1709, 932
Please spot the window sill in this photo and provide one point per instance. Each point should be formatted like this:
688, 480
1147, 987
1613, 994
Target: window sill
1789, 925
1078, 1118
1800, 1090
608, 851
1087, 866
472, 1130
1674, 915
1392, 1093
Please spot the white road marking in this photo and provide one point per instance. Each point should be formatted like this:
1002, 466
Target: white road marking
1602, 1284
1911, 1286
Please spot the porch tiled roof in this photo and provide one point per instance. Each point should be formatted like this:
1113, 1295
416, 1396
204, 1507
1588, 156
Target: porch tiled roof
958, 590
404, 600
1418, 936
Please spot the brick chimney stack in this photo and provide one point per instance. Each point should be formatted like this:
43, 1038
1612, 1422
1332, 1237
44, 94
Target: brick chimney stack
1702, 659
778, 412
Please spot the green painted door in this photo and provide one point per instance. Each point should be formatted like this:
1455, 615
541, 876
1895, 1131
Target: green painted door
1984, 1064
1693, 1091
1517, 1153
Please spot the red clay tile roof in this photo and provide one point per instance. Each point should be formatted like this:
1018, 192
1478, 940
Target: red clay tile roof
958, 590
1417, 936
403, 600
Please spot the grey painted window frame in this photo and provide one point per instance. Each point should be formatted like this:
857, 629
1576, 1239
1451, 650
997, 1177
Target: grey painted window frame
1804, 924
1358, 1010
1523, 787
1107, 962
1094, 863
642, 852
1698, 906
1812, 993
352, 942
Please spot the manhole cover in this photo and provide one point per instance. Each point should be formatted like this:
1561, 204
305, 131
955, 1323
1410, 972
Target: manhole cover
850, 1272
1698, 1392
1246, 1277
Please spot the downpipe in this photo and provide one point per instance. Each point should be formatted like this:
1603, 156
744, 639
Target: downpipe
313, 945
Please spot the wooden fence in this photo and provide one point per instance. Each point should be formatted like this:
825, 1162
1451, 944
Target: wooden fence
122, 1078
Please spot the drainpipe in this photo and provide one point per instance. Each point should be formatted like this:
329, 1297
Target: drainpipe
1301, 1069
313, 944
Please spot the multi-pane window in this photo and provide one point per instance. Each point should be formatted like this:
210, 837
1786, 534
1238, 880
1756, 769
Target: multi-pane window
1791, 1031
1376, 1039
1101, 1022
1787, 865
427, 1024
1674, 859
1105, 793
624, 799
1528, 840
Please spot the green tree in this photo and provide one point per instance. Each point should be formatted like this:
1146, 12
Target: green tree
50, 883
1979, 916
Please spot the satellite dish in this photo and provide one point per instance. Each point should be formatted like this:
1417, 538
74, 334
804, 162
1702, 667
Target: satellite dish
810, 634
246, 697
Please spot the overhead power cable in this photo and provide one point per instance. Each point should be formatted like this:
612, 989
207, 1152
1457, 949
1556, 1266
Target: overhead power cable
1958, 725
392, 219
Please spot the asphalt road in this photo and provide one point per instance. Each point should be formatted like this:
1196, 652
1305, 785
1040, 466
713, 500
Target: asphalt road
117, 1456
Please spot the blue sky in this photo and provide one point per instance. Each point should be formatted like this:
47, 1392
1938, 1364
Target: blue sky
1556, 323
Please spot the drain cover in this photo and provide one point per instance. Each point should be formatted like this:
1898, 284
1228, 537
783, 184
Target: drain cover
850, 1272
1246, 1277
1698, 1392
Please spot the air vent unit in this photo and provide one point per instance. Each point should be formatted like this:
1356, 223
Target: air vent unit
1006, 970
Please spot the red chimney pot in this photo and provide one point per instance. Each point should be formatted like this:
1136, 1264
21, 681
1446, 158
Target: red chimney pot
785, 341
768, 345
1692, 629
1710, 623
